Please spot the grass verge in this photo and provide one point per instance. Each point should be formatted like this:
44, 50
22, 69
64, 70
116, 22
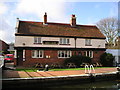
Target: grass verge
57, 69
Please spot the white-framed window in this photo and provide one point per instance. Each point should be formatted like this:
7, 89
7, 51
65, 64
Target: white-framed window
89, 54
88, 42
37, 40
64, 41
64, 54
23, 55
37, 53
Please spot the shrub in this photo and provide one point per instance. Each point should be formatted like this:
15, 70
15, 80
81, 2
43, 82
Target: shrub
106, 59
77, 60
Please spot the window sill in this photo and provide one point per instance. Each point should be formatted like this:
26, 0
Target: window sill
37, 57
88, 45
50, 44
37, 43
63, 57
64, 44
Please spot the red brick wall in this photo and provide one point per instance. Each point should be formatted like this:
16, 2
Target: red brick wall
96, 57
54, 57
3, 46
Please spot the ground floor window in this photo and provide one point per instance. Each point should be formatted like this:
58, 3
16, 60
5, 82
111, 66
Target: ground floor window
23, 55
64, 54
37, 54
89, 54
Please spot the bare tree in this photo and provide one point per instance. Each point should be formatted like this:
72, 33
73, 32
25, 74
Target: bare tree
109, 27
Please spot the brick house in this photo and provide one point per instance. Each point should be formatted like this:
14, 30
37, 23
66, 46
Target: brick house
3, 47
48, 42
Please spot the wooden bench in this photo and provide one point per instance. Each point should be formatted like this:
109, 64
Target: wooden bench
71, 65
39, 65
55, 65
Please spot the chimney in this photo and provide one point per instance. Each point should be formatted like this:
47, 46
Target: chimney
73, 21
17, 24
45, 19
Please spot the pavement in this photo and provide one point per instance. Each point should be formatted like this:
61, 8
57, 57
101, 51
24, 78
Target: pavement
9, 73
24, 74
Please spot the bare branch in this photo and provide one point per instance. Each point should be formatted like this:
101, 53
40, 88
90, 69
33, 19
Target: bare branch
109, 27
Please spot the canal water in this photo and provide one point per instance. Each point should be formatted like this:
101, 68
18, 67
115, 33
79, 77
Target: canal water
108, 85
99, 85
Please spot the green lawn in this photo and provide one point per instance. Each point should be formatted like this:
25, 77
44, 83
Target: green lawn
59, 69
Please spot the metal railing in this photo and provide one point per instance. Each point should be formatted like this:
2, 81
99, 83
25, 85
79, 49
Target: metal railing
89, 69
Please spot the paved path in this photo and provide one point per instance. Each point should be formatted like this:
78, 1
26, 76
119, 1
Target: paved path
23, 74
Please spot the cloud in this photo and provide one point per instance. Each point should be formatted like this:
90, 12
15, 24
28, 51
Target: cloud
6, 31
3, 8
54, 9
28, 10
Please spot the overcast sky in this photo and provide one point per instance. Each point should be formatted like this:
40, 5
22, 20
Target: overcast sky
58, 11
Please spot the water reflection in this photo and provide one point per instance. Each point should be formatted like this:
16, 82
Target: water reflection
107, 85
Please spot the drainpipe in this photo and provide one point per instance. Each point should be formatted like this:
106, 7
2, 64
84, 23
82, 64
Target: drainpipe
75, 45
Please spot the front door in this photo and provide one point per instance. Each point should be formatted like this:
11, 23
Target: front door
19, 57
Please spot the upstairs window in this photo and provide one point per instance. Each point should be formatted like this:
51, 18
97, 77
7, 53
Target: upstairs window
64, 41
37, 40
88, 42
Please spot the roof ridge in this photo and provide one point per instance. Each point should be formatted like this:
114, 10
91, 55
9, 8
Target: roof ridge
55, 23
59, 29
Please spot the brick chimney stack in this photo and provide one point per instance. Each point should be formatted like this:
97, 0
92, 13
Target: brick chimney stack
45, 19
73, 21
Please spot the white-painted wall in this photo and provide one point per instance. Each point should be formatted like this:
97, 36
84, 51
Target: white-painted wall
80, 42
96, 43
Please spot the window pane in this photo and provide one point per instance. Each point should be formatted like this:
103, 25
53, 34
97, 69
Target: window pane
88, 53
40, 53
69, 53
91, 54
23, 53
39, 40
58, 53
64, 41
88, 42
33, 53
67, 41
35, 39
60, 40
65, 52
62, 54
37, 53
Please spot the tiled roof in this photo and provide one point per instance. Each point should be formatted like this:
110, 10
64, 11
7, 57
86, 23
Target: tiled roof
58, 29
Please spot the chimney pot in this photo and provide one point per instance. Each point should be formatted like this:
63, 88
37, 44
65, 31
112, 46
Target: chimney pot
45, 19
73, 15
73, 20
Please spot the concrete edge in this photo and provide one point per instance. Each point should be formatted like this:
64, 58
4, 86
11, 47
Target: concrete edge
53, 77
